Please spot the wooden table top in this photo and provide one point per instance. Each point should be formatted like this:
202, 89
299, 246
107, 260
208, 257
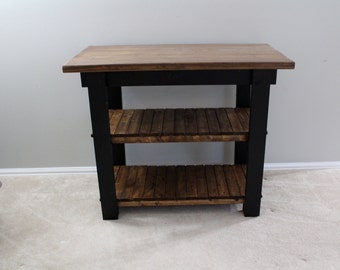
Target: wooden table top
178, 57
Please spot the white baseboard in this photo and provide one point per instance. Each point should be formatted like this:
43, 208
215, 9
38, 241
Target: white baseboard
302, 166
47, 170
267, 166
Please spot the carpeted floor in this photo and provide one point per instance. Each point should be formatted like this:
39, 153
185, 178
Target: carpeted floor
54, 222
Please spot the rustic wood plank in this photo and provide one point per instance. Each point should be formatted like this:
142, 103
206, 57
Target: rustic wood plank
180, 138
169, 122
150, 182
127, 189
234, 120
124, 122
116, 171
231, 181
191, 182
223, 121
211, 181
181, 183
240, 179
214, 127
178, 57
202, 122
201, 181
138, 190
171, 182
190, 122
135, 123
179, 122
121, 178
185, 202
243, 118
157, 122
146, 122
114, 116
221, 183
160, 183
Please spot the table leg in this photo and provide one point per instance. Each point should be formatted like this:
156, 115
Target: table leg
98, 97
256, 143
242, 101
115, 102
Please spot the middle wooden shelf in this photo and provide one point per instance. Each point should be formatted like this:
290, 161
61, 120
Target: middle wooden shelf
179, 125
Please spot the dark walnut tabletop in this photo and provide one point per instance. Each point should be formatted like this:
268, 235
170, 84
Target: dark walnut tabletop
178, 57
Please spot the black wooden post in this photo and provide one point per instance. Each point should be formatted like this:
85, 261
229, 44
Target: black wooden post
257, 141
242, 101
115, 102
242, 96
98, 96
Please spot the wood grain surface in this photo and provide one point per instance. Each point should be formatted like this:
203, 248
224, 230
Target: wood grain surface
178, 57
179, 185
179, 125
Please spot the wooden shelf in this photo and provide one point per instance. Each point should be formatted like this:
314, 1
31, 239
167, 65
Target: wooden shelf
179, 125
180, 185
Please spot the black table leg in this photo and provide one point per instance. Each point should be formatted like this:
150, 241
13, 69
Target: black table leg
242, 101
98, 96
115, 102
257, 141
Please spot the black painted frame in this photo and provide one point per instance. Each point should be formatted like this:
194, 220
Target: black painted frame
105, 93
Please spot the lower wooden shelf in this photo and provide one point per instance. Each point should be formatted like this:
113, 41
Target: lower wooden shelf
180, 185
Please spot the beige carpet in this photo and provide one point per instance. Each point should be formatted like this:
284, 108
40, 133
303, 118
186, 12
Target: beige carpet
54, 222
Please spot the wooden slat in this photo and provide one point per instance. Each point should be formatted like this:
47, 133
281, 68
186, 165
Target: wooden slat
121, 179
116, 171
157, 122
179, 122
191, 182
169, 122
221, 182
115, 116
127, 188
160, 183
243, 118
212, 121
240, 178
202, 189
181, 183
190, 122
138, 190
234, 121
135, 123
124, 122
171, 183
211, 182
150, 182
186, 202
223, 121
202, 122
146, 122
180, 138
231, 181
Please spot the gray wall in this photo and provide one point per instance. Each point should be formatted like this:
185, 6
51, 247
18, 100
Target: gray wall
44, 114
